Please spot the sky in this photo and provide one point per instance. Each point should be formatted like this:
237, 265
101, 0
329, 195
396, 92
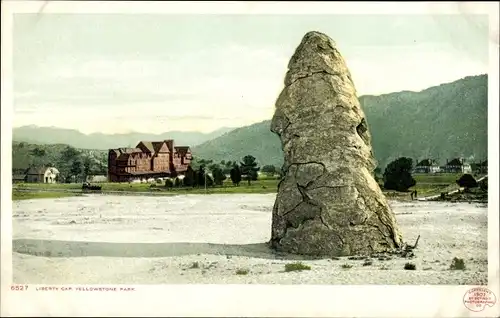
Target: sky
117, 73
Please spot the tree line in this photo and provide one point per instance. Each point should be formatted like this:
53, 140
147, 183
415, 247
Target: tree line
197, 175
73, 164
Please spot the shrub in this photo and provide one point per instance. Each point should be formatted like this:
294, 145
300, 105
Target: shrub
296, 267
346, 266
242, 271
467, 181
457, 264
169, 183
410, 266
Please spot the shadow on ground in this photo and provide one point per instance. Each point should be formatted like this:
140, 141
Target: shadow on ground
55, 248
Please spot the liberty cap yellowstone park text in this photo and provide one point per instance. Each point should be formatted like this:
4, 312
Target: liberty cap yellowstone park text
73, 288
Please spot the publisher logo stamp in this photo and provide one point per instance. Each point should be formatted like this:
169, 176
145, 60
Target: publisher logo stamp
476, 299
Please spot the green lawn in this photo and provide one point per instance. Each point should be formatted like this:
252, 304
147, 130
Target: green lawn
25, 195
427, 185
259, 186
447, 178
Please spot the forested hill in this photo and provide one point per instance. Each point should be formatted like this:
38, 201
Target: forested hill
440, 122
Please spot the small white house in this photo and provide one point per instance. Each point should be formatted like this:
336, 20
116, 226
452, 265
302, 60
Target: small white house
51, 175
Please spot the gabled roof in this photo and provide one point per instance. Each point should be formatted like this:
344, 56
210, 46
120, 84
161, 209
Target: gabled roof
124, 153
157, 146
148, 145
427, 163
182, 150
120, 151
36, 170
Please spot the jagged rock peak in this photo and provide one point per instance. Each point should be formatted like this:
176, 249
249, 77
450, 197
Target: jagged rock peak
316, 53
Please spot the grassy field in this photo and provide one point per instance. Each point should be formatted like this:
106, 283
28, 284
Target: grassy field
25, 195
427, 185
447, 178
259, 186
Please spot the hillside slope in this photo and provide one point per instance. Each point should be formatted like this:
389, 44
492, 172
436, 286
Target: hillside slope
441, 122
23, 157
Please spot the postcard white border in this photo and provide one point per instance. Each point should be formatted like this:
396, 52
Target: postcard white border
248, 300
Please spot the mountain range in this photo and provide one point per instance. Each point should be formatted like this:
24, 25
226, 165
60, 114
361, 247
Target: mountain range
441, 122
53, 135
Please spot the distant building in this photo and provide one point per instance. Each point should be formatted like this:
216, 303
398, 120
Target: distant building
427, 166
41, 175
18, 177
457, 165
149, 159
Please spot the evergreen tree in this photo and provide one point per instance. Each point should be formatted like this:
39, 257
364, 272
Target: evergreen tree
219, 176
76, 169
249, 168
235, 174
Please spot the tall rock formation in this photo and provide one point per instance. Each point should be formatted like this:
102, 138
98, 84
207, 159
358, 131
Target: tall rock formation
328, 202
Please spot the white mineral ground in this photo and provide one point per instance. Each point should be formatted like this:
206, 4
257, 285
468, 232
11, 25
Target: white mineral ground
102, 239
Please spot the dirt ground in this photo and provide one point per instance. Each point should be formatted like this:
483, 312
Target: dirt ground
217, 239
